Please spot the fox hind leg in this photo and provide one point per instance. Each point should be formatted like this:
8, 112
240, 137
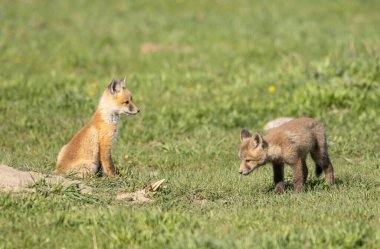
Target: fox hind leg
85, 168
329, 171
305, 171
322, 161
315, 155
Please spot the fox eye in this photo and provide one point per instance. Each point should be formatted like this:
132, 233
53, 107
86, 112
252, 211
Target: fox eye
248, 160
126, 102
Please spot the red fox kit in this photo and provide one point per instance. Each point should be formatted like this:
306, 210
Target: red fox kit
289, 143
90, 148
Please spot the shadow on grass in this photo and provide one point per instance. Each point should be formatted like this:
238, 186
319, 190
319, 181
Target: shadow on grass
311, 185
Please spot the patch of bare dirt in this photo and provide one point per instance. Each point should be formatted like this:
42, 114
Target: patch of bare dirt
150, 47
202, 202
13, 180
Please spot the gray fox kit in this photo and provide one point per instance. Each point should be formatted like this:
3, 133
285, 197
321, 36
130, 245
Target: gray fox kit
288, 143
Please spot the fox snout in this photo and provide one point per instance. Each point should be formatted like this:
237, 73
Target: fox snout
136, 111
245, 172
131, 109
243, 169
246, 169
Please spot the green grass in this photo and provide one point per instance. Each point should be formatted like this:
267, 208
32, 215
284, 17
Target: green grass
208, 80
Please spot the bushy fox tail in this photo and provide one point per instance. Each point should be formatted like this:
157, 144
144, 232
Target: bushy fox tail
320, 154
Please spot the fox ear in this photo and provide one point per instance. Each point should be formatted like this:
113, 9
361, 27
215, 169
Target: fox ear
114, 87
256, 139
122, 82
244, 134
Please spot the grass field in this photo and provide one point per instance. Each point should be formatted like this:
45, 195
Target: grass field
200, 71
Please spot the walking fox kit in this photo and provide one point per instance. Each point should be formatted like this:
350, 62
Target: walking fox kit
289, 143
90, 148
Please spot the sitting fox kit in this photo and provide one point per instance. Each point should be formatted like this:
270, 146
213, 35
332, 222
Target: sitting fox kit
289, 143
90, 148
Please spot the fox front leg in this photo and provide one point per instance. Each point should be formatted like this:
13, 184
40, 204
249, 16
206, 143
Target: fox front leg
299, 175
106, 160
278, 177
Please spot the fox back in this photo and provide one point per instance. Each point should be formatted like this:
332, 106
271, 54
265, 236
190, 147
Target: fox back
296, 138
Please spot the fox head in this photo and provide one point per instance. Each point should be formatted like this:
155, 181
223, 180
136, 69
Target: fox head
252, 153
117, 100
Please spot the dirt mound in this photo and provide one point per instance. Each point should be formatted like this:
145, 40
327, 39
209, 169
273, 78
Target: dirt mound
13, 180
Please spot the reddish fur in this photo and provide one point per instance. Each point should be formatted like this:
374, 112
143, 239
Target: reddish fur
90, 148
289, 143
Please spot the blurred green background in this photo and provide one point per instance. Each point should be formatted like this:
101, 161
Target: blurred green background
200, 71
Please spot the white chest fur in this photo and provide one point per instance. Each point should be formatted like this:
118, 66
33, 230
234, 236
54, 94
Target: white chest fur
112, 118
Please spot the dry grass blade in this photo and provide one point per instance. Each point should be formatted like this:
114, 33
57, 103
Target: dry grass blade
142, 195
155, 186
